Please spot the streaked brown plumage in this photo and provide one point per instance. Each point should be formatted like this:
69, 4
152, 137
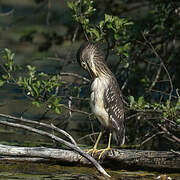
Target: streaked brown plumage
106, 98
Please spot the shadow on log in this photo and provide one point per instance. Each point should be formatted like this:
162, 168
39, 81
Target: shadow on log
115, 159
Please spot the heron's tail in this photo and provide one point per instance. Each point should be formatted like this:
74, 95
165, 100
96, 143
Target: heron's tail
119, 135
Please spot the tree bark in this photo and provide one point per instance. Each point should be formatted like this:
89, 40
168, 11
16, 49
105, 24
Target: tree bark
158, 160
115, 158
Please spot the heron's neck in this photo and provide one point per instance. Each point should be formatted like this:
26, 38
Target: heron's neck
104, 73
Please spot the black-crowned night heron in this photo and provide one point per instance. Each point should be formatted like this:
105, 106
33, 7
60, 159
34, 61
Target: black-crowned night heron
106, 98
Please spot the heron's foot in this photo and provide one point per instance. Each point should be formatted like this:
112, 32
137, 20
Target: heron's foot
102, 151
97, 151
92, 151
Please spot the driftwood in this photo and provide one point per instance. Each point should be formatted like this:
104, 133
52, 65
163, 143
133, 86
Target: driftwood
116, 158
71, 145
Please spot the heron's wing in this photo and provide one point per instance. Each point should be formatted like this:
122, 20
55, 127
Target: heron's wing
115, 108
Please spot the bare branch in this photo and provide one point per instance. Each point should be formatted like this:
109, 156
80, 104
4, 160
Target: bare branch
74, 110
71, 146
151, 137
156, 77
48, 17
88, 136
175, 152
162, 63
177, 93
75, 33
69, 105
161, 92
124, 84
168, 133
41, 124
7, 13
75, 75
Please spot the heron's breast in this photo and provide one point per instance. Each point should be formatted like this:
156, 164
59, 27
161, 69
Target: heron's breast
97, 102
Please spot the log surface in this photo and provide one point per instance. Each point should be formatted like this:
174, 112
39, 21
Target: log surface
145, 159
124, 158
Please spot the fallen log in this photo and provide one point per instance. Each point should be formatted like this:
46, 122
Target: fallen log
157, 160
115, 158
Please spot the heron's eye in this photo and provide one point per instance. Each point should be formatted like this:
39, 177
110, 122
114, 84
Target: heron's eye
83, 64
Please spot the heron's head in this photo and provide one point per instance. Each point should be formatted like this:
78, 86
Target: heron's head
91, 58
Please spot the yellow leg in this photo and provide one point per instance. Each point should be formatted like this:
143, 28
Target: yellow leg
106, 149
94, 149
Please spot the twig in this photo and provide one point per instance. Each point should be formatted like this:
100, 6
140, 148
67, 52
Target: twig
81, 99
152, 63
177, 93
48, 17
124, 84
41, 124
163, 65
132, 116
74, 110
151, 137
88, 135
71, 146
175, 152
7, 13
75, 75
55, 58
168, 133
156, 77
69, 105
170, 139
161, 92
75, 33
173, 123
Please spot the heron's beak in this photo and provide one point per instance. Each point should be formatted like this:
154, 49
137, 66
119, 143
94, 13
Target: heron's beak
90, 72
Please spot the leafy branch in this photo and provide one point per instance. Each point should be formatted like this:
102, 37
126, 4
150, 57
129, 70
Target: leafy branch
37, 86
111, 30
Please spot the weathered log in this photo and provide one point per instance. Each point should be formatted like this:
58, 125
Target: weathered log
56, 138
158, 160
116, 158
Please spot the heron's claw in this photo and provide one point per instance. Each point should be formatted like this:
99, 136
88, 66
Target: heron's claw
96, 151
92, 151
102, 151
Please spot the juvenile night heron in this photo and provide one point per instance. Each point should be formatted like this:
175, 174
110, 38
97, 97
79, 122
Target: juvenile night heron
106, 98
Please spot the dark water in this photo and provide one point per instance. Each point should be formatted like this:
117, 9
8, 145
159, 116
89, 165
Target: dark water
40, 171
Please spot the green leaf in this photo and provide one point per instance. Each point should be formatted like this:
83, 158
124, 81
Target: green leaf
101, 24
168, 104
36, 103
35, 89
132, 101
5, 77
1, 83
141, 101
178, 121
56, 102
58, 110
96, 32
108, 18
70, 4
